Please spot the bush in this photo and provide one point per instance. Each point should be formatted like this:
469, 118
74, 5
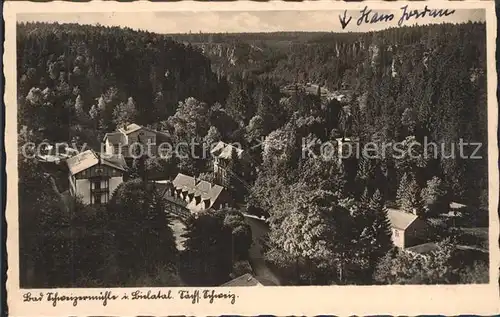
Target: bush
473, 217
474, 237
401, 267
439, 228
477, 273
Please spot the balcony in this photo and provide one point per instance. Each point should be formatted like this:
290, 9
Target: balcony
100, 191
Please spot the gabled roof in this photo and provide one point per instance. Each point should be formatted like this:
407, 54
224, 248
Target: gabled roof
455, 205
224, 150
115, 161
400, 219
131, 128
89, 158
115, 137
82, 161
135, 127
244, 280
119, 136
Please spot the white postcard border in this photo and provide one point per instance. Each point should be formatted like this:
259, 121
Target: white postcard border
338, 300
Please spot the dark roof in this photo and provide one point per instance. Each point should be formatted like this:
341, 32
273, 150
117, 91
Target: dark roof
116, 161
244, 280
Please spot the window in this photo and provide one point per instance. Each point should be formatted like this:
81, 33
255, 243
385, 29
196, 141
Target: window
99, 191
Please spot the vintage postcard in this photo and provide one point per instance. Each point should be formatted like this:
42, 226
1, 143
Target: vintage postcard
251, 158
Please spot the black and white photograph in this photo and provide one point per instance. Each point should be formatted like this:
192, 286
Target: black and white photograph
344, 147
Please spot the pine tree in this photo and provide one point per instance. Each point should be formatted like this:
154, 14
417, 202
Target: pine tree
208, 248
136, 205
381, 226
435, 196
365, 198
411, 199
94, 112
125, 113
101, 104
255, 129
403, 187
235, 177
213, 135
80, 113
365, 173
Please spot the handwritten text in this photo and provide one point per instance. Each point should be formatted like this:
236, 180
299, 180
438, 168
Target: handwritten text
369, 16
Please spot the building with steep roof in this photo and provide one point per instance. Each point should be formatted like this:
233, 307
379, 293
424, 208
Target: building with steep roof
407, 229
120, 141
94, 177
222, 155
193, 194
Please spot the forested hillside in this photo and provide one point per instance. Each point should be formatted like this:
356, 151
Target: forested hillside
71, 76
416, 71
76, 82
328, 58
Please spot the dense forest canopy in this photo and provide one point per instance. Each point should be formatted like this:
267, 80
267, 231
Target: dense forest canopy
105, 66
91, 78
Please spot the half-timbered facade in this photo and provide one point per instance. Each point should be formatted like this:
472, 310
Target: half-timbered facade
93, 178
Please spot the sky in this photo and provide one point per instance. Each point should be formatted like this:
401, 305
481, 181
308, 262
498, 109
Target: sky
241, 21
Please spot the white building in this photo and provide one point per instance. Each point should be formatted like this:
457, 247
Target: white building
407, 229
119, 142
94, 178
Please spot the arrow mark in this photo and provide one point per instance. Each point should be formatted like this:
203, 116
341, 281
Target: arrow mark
343, 20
